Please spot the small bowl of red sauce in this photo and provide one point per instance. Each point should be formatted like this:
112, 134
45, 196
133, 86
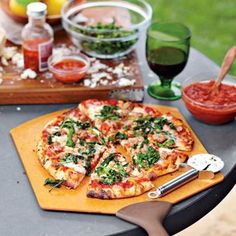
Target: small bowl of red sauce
204, 105
69, 68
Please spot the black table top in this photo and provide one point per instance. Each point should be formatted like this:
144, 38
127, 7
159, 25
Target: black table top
20, 213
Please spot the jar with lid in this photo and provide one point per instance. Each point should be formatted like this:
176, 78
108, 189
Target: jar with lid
37, 38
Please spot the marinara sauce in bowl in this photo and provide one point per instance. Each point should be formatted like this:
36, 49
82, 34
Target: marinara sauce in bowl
70, 67
204, 105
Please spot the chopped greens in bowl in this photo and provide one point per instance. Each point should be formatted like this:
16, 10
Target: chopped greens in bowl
102, 38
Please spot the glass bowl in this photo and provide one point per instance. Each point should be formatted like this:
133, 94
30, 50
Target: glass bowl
205, 109
69, 67
106, 29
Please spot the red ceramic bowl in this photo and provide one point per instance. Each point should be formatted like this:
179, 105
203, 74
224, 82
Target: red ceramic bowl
204, 110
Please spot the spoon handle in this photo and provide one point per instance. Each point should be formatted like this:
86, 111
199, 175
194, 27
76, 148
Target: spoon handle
226, 65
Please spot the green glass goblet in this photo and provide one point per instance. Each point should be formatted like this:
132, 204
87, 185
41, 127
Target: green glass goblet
167, 50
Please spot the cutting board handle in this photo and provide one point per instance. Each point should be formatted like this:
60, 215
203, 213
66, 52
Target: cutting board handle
149, 215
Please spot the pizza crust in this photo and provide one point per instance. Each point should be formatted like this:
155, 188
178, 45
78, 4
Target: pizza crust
116, 191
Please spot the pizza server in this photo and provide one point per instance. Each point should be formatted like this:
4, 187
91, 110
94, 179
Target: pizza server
200, 166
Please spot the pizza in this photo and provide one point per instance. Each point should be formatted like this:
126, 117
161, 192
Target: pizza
108, 116
84, 141
114, 177
70, 147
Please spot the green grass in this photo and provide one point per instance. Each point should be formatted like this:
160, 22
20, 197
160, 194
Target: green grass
212, 22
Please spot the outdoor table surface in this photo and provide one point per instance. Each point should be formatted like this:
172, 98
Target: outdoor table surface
21, 215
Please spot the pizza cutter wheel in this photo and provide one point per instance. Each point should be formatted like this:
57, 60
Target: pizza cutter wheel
198, 166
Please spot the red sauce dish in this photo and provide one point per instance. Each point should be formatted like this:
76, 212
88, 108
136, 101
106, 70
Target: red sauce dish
69, 68
205, 106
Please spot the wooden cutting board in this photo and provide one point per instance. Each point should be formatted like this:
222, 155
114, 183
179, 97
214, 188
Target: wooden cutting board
41, 90
26, 137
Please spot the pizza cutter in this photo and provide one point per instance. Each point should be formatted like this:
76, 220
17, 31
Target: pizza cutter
198, 166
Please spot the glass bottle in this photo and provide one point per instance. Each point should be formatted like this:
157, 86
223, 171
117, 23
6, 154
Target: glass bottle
37, 38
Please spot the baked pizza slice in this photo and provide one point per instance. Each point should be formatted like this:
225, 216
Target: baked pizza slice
123, 127
180, 133
163, 131
107, 115
70, 148
151, 159
155, 161
115, 178
137, 111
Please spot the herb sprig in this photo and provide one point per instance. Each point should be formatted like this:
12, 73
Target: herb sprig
54, 183
110, 176
70, 125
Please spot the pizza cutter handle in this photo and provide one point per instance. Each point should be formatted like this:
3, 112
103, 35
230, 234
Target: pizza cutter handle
174, 184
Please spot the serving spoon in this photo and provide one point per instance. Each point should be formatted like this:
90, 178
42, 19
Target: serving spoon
226, 65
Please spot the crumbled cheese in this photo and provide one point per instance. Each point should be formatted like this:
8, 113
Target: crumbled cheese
60, 175
126, 69
96, 77
95, 110
109, 77
76, 167
101, 74
18, 60
109, 69
60, 139
93, 85
87, 82
121, 65
53, 129
28, 73
73, 151
104, 82
96, 66
126, 82
1, 69
9, 52
164, 150
1, 80
48, 164
4, 61
135, 172
118, 71
138, 110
